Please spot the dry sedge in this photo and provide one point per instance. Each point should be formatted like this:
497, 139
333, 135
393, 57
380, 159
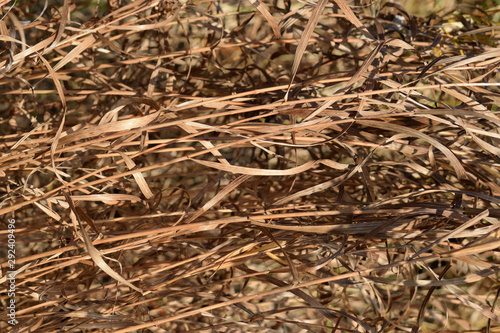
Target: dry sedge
250, 166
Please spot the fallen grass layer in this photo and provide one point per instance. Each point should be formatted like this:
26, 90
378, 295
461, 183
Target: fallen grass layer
281, 167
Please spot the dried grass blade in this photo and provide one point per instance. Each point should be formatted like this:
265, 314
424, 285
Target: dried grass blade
153, 80
62, 26
221, 195
33, 49
471, 250
54, 144
59, 88
455, 163
488, 148
485, 312
258, 172
359, 73
470, 278
22, 34
323, 186
304, 40
319, 229
364, 68
207, 144
456, 231
293, 269
353, 19
106, 198
139, 178
110, 44
475, 105
290, 18
330, 314
334, 165
48, 211
462, 61
93, 252
86, 43
118, 126
269, 18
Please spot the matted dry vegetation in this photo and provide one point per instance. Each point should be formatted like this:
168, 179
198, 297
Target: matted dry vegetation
250, 166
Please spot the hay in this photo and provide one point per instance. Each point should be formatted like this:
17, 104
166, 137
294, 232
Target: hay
250, 166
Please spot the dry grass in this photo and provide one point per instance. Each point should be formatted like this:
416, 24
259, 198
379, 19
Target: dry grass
250, 166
